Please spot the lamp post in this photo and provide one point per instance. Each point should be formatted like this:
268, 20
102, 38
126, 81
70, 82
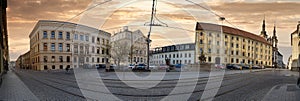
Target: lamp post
148, 37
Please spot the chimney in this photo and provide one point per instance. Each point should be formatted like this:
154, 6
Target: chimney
125, 28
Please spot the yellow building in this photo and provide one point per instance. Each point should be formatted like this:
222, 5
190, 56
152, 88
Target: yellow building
227, 45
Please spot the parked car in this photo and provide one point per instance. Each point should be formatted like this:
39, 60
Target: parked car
99, 66
163, 67
179, 65
220, 66
234, 66
111, 68
256, 67
139, 67
245, 66
153, 67
131, 66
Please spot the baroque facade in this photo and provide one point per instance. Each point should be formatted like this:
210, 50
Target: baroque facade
60, 45
226, 45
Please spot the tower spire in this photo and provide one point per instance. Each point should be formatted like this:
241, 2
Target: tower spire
263, 33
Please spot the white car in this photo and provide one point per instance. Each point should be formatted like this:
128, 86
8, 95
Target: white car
153, 67
131, 66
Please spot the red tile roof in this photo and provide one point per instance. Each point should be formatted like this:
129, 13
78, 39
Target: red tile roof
230, 30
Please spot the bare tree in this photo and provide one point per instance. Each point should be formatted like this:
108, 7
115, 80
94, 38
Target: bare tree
120, 51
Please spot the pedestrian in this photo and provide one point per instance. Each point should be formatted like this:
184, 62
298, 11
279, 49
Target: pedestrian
67, 69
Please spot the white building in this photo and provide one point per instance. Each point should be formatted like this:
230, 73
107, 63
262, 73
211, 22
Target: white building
57, 45
130, 47
178, 54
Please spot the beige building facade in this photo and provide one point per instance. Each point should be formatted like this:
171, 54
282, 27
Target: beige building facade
227, 45
60, 45
295, 43
134, 50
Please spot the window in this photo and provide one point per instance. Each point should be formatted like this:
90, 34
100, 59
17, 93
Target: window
93, 49
45, 59
209, 50
210, 34
237, 38
92, 59
52, 34
209, 59
87, 38
87, 59
45, 46
232, 60
98, 50
52, 46
218, 43
87, 49
68, 58
232, 46
190, 55
98, 40
45, 34
225, 36
237, 52
209, 42
237, 60
81, 49
218, 51
60, 35
201, 34
81, 37
201, 41
102, 51
68, 36
103, 60
232, 52
226, 43
225, 51
76, 36
60, 47
75, 59
61, 67
60, 58
53, 66
76, 48
218, 35
45, 67
237, 45
53, 59
93, 39
98, 60
68, 48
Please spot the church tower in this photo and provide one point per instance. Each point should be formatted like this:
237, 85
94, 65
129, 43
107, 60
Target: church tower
263, 33
274, 37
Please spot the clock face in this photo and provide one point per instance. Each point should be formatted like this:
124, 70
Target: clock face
170, 25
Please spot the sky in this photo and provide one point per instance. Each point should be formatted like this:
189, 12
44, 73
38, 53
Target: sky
177, 17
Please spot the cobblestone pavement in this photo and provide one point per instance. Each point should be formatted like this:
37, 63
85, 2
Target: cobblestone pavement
235, 85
